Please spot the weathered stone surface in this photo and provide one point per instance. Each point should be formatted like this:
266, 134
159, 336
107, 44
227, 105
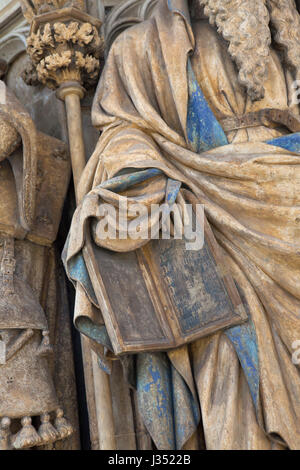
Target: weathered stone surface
29, 310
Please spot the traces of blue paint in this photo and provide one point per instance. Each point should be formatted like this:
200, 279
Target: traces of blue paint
121, 183
154, 393
161, 398
289, 142
77, 267
186, 410
203, 130
172, 191
95, 332
78, 272
155, 375
169, 410
104, 365
166, 403
243, 338
205, 133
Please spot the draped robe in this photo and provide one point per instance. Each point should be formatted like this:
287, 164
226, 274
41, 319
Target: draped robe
250, 190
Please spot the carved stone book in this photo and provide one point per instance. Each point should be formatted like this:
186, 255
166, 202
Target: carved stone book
162, 296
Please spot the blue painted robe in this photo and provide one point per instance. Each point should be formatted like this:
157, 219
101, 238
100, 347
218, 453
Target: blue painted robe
238, 376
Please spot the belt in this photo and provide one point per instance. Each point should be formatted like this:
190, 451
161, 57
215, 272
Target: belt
265, 117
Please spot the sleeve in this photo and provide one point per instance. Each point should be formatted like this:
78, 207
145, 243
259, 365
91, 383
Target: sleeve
128, 112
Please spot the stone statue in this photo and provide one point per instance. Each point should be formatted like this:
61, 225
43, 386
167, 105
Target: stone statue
34, 174
204, 93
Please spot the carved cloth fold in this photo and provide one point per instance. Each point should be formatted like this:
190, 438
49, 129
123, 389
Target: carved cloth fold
150, 108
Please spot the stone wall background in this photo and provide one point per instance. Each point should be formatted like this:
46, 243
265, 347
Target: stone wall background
49, 115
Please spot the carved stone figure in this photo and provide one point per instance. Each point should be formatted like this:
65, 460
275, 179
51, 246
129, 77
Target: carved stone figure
203, 93
34, 174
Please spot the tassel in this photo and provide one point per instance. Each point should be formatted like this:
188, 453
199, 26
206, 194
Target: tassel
5, 434
62, 426
27, 436
47, 432
45, 348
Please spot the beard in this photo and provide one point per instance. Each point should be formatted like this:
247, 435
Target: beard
245, 25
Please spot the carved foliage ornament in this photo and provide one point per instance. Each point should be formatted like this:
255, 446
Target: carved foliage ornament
64, 44
66, 51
